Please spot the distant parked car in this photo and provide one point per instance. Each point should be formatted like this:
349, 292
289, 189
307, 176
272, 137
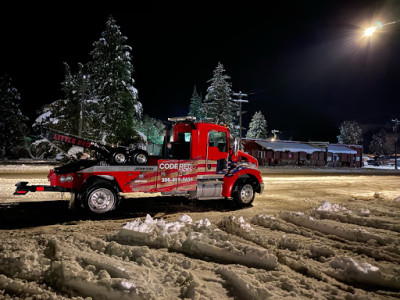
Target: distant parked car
372, 162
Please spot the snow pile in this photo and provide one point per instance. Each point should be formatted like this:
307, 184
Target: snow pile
333, 228
364, 212
328, 207
244, 285
348, 270
101, 276
236, 225
199, 238
149, 225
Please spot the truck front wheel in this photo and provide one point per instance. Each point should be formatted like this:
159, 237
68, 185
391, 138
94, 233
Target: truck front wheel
140, 157
100, 198
243, 192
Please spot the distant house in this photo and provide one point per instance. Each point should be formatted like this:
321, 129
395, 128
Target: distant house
273, 153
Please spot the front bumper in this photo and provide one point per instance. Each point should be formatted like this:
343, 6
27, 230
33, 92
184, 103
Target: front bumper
261, 188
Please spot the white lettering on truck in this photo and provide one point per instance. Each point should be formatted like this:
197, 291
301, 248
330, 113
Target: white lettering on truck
188, 167
168, 166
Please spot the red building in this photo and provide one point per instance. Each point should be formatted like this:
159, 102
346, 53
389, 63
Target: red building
279, 153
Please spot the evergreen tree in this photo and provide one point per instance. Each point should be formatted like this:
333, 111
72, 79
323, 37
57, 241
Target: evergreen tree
102, 90
13, 127
257, 127
376, 146
63, 114
350, 133
112, 81
382, 143
196, 106
219, 106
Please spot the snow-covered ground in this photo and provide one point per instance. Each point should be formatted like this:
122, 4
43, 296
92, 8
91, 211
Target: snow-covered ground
322, 237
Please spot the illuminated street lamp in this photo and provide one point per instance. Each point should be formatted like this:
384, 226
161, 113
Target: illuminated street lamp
275, 137
368, 32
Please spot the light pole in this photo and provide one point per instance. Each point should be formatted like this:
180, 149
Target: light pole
368, 32
395, 124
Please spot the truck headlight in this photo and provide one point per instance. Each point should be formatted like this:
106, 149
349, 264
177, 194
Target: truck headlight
70, 178
62, 179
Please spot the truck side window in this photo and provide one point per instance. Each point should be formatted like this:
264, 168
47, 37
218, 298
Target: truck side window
180, 148
217, 139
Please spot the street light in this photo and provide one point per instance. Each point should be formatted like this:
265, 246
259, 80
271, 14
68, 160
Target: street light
275, 137
369, 31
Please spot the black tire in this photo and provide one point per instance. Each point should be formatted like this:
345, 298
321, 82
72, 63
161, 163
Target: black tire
119, 158
100, 198
140, 157
243, 192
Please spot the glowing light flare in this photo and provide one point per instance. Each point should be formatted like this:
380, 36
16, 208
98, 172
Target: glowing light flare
369, 31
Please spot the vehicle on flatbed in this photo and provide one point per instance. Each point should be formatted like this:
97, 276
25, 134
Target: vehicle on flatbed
197, 161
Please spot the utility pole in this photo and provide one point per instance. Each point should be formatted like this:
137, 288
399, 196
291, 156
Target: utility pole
395, 124
240, 101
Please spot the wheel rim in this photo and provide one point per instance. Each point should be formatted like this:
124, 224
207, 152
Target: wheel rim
246, 193
101, 200
141, 158
119, 158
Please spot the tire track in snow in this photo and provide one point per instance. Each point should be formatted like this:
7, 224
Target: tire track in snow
264, 257
306, 255
297, 265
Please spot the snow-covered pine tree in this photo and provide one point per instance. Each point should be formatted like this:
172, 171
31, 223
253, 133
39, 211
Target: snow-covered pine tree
111, 70
63, 114
376, 145
196, 106
257, 127
218, 104
350, 133
13, 127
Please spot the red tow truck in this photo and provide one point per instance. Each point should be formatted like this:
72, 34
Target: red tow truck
197, 161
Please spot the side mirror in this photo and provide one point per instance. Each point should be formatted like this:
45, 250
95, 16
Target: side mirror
236, 146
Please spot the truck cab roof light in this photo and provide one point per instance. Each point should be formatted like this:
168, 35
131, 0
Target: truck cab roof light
182, 119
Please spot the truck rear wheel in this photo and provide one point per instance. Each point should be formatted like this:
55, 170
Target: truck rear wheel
243, 192
100, 198
119, 158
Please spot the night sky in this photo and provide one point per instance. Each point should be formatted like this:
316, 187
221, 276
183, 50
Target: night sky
302, 63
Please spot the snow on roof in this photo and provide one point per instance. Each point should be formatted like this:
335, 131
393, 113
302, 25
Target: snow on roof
288, 146
341, 149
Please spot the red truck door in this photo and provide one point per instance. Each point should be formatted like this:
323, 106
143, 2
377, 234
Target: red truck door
176, 175
167, 175
217, 151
